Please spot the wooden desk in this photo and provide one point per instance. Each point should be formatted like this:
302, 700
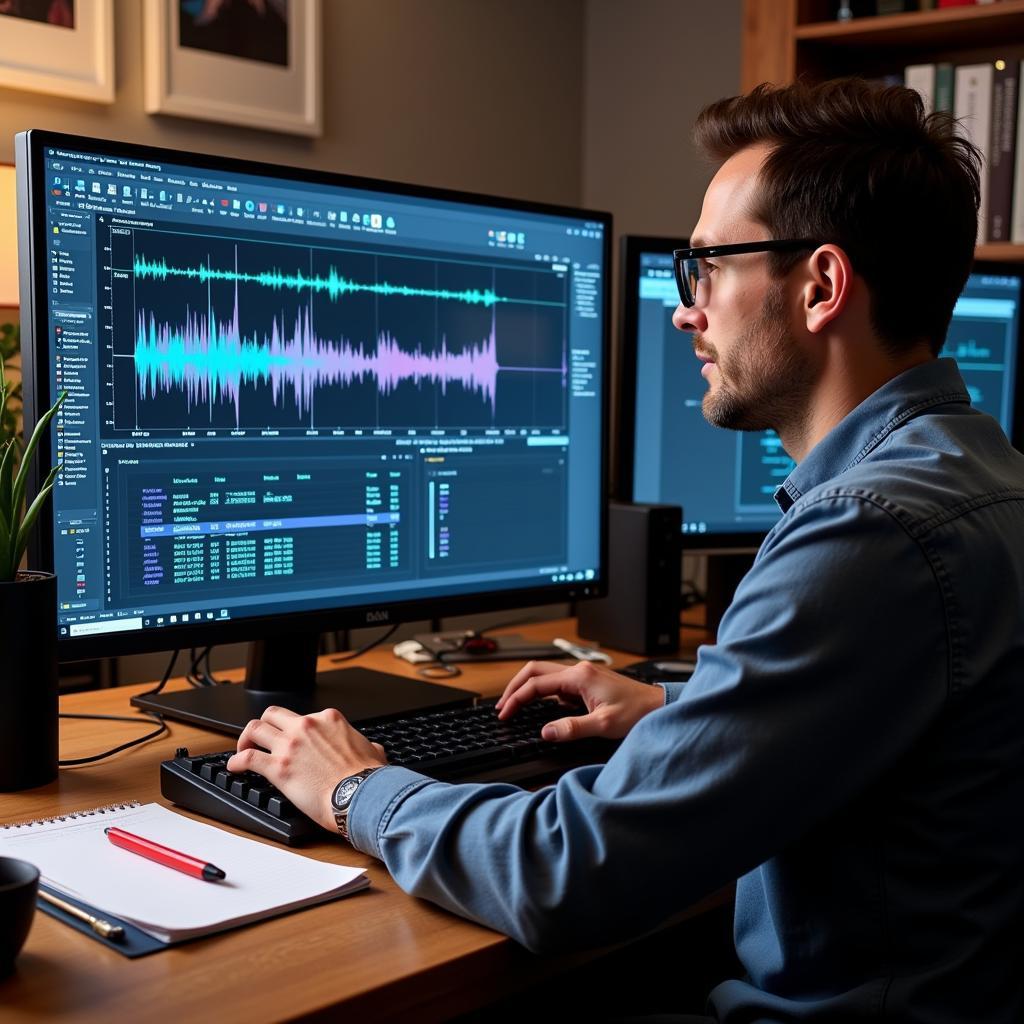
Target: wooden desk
377, 955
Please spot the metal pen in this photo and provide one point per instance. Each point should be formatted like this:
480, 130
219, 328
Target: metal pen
104, 929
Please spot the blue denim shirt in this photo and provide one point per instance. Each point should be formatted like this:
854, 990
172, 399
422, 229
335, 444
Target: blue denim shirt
851, 749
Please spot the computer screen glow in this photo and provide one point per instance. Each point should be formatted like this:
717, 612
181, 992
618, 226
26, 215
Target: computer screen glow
287, 395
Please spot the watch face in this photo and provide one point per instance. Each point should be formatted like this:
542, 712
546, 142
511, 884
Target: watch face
344, 793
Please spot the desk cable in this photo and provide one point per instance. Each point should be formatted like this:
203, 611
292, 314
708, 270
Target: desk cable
366, 647
152, 716
202, 677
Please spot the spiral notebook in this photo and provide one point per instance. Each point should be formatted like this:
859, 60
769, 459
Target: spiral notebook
76, 859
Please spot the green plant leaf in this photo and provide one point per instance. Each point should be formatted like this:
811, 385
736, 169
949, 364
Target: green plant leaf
5, 520
20, 481
21, 540
6, 481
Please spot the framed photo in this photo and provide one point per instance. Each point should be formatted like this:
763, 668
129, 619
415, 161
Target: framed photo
63, 47
250, 62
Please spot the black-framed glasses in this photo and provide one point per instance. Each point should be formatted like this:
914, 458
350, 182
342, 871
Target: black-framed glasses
691, 267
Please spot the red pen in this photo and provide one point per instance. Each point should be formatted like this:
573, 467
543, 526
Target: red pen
164, 855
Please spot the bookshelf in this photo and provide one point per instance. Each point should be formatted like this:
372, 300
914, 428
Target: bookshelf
785, 39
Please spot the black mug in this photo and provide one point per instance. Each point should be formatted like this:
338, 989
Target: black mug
19, 883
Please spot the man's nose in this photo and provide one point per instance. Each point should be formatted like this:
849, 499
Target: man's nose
689, 318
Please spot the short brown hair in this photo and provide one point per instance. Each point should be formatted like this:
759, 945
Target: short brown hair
862, 166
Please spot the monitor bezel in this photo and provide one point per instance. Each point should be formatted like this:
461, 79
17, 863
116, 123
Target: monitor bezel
632, 247
30, 152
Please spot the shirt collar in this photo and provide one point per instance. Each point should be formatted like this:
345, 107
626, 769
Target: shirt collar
922, 387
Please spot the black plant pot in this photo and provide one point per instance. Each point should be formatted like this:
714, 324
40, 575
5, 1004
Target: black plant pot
28, 681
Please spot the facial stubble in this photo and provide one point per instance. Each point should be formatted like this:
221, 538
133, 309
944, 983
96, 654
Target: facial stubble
765, 380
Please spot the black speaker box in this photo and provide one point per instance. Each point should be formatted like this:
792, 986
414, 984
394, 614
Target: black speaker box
641, 612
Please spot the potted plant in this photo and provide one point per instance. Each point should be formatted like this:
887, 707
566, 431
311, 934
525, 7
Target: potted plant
28, 611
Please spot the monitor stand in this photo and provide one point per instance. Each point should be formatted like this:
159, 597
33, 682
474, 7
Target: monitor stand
282, 671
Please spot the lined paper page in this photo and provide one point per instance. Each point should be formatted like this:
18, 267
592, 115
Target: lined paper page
74, 856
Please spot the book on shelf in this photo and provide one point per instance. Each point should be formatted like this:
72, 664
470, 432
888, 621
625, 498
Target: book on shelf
921, 77
972, 107
1017, 208
845, 10
1005, 87
934, 82
944, 85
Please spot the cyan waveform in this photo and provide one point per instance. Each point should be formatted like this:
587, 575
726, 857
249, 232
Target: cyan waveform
334, 283
211, 361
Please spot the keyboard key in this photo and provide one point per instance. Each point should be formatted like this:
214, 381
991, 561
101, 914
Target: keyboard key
258, 795
280, 807
450, 744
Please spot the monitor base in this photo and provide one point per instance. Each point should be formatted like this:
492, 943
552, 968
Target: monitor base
358, 693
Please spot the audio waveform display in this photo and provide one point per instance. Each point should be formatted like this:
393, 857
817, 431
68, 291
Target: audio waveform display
219, 332
333, 283
211, 360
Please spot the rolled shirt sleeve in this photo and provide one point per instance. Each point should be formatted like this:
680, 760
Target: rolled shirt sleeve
818, 684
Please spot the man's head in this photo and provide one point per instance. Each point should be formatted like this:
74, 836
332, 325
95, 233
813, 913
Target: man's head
889, 198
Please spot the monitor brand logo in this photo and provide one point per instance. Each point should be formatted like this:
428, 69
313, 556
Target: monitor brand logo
378, 616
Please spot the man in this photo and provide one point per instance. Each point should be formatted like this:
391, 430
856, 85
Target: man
852, 747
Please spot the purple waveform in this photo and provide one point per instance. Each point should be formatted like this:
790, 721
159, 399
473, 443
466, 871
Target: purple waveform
211, 360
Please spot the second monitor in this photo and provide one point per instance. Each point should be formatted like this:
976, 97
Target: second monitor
724, 479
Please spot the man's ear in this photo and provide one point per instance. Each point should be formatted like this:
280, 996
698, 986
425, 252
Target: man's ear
827, 288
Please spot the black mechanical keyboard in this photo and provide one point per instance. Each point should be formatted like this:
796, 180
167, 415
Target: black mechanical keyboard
459, 744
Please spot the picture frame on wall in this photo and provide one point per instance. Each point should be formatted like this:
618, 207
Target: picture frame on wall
60, 47
242, 62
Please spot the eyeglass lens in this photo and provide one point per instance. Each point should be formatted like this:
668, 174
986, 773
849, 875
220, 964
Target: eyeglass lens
691, 277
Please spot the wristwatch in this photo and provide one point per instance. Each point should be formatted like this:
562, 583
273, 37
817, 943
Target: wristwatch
341, 798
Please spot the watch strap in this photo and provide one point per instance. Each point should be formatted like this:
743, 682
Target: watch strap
341, 816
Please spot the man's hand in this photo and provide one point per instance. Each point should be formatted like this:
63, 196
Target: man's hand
305, 756
614, 703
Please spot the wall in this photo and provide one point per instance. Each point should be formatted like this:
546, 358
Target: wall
473, 94
650, 67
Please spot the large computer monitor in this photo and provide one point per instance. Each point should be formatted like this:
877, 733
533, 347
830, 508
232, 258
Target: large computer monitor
298, 401
724, 480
